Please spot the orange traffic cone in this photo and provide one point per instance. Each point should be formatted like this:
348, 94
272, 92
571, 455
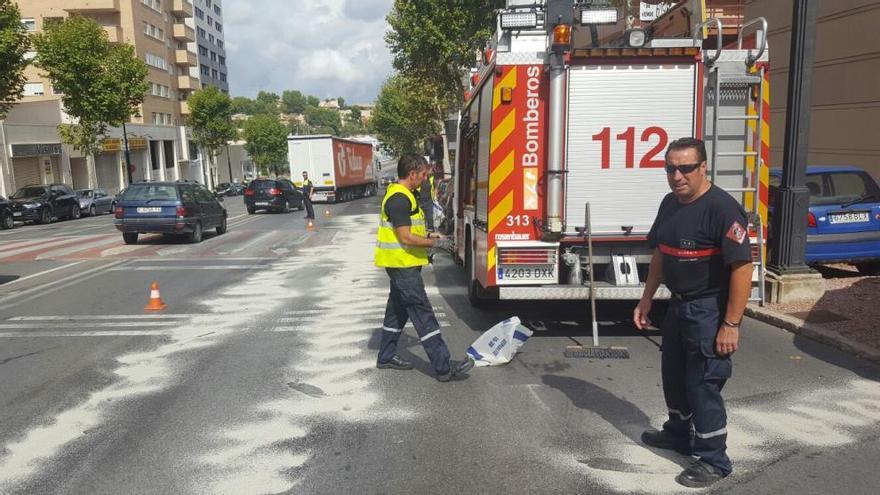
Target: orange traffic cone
311, 226
156, 303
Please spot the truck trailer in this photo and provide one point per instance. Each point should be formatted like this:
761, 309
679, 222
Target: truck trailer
562, 137
340, 169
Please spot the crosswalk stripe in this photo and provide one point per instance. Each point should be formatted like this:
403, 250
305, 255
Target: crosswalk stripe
103, 333
317, 317
183, 267
378, 325
91, 324
42, 246
19, 244
106, 317
327, 309
113, 239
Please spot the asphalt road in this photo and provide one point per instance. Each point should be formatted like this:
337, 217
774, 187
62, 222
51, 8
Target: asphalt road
259, 378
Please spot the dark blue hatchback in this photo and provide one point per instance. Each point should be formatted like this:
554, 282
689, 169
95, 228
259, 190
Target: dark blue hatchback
174, 208
843, 223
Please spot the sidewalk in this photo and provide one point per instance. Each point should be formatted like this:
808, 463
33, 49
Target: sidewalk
846, 317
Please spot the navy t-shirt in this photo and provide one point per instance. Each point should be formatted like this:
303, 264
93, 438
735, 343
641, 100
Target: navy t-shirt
397, 207
699, 241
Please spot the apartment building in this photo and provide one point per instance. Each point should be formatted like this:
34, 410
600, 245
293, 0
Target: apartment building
158, 140
207, 20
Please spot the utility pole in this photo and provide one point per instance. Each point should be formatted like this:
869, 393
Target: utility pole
789, 240
229, 163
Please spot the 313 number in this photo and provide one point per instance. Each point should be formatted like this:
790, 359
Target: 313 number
648, 160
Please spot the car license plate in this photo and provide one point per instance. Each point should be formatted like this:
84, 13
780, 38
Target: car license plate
851, 217
262, 203
541, 273
149, 209
16, 213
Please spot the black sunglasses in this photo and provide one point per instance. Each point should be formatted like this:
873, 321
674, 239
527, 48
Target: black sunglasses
684, 169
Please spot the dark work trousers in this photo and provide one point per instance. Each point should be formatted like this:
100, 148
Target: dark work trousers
310, 212
428, 207
408, 301
693, 376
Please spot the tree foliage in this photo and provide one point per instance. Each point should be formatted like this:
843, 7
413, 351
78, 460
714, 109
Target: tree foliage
293, 101
266, 142
407, 111
243, 104
102, 85
14, 42
211, 119
438, 40
323, 120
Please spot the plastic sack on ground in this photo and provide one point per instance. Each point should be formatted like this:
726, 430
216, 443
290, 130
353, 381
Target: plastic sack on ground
500, 343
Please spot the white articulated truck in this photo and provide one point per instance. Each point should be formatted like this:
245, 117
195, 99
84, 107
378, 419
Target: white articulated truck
340, 169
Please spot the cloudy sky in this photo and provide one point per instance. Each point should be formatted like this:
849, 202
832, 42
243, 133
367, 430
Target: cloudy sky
325, 48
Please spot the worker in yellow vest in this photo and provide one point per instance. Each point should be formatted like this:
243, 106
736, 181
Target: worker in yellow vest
402, 249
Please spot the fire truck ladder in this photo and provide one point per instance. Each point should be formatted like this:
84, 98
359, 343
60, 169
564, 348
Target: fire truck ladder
736, 88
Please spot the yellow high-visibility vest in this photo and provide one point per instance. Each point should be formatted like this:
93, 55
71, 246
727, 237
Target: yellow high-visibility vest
390, 253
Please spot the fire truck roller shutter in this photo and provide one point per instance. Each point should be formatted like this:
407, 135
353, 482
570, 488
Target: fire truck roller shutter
621, 118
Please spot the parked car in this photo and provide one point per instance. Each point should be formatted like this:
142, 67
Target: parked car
171, 208
239, 188
7, 221
225, 189
44, 203
95, 201
272, 195
843, 223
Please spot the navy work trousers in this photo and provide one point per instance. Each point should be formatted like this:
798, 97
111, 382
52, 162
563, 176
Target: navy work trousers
408, 301
693, 376
307, 203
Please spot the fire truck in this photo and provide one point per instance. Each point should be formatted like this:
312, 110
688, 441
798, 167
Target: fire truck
560, 165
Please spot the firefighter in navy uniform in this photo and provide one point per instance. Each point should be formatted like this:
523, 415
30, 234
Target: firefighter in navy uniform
402, 249
702, 254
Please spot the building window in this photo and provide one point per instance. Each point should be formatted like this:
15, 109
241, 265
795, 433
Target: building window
208, 3
34, 89
203, 51
214, 73
29, 23
223, 77
156, 61
160, 90
153, 31
201, 32
153, 4
218, 27
222, 61
210, 21
211, 39
205, 70
213, 57
199, 13
220, 43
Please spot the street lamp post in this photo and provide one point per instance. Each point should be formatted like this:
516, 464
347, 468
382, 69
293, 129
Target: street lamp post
229, 163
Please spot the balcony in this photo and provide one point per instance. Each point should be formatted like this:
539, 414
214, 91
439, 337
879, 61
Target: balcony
187, 83
182, 32
184, 108
185, 58
114, 33
182, 8
93, 6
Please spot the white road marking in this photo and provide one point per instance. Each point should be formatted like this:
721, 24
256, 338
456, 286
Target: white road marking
101, 333
56, 285
38, 247
183, 267
44, 272
67, 250
123, 324
106, 317
354, 317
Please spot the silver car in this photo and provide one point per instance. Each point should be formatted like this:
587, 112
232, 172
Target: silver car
95, 201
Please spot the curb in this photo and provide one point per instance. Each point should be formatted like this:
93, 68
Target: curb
800, 327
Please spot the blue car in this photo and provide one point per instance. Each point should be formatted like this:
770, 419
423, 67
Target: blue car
843, 223
171, 208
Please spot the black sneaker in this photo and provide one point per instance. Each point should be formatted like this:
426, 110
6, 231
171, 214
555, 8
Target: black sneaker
457, 369
699, 475
666, 440
395, 363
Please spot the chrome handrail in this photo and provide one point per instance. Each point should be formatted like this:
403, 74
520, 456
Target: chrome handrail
739, 39
699, 29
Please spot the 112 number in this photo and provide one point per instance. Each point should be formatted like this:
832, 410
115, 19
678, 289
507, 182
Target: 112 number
628, 136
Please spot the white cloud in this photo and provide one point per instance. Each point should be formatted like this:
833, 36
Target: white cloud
325, 48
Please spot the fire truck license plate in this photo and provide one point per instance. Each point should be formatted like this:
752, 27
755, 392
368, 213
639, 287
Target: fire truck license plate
540, 272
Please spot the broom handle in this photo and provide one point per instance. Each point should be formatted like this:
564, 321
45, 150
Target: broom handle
589, 227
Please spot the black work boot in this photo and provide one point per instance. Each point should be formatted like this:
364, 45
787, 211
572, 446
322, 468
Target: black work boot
457, 369
395, 363
667, 440
699, 475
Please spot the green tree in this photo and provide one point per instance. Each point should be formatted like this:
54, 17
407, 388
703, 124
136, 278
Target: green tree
312, 101
102, 84
438, 40
341, 101
243, 104
14, 42
407, 111
293, 101
266, 142
323, 120
267, 103
211, 120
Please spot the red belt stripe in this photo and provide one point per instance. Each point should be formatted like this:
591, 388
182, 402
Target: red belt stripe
688, 253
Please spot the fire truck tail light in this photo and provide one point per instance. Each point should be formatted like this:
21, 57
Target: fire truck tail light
599, 16
519, 20
506, 95
562, 34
